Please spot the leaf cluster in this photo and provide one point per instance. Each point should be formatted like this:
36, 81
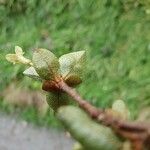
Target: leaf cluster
47, 67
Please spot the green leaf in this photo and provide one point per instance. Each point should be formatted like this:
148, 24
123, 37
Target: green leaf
72, 67
46, 64
57, 99
31, 72
90, 134
78, 146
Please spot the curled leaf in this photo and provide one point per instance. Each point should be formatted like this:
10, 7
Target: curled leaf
73, 80
72, 67
18, 57
46, 64
90, 134
31, 72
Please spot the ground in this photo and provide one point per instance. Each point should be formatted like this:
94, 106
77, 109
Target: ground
115, 35
19, 135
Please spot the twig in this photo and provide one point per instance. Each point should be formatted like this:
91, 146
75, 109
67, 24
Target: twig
138, 133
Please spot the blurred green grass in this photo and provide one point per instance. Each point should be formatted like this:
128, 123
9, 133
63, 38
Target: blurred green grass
115, 35
31, 115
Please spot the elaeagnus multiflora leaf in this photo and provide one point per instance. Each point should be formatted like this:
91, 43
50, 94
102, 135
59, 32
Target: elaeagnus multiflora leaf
72, 67
31, 72
57, 99
119, 110
120, 107
45, 63
78, 146
90, 134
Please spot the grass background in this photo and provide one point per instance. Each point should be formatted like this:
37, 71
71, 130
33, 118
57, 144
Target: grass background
115, 35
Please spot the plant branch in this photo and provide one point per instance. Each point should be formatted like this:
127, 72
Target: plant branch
138, 133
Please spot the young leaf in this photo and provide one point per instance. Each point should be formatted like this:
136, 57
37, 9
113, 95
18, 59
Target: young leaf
72, 67
46, 64
18, 57
31, 72
57, 99
121, 110
90, 134
73, 80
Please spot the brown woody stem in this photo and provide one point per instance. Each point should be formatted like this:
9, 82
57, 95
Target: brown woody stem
136, 132
91, 110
